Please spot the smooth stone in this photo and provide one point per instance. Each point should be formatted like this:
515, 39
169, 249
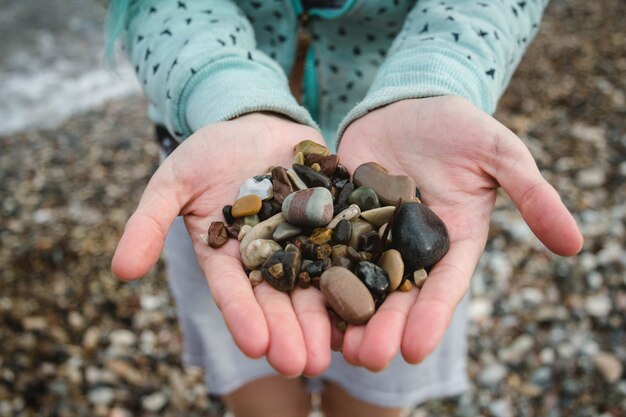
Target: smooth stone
420, 236
268, 209
252, 220
339, 183
217, 236
316, 167
365, 198
263, 230
419, 277
389, 188
406, 286
314, 269
308, 147
341, 202
228, 216
347, 295
349, 213
296, 181
242, 232
346, 252
375, 279
342, 172
391, 262
342, 232
311, 207
328, 164
263, 189
255, 277
258, 251
321, 236
285, 230
311, 177
281, 269
369, 242
298, 158
359, 228
281, 184
246, 206
378, 216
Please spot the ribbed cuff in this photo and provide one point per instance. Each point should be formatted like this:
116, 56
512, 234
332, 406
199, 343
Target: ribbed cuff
426, 72
234, 86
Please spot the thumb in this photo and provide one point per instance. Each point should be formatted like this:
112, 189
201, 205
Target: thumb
539, 203
144, 235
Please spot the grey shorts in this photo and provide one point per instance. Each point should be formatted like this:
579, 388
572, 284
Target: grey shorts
208, 344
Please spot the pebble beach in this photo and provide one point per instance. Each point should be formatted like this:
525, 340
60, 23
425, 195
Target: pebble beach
547, 335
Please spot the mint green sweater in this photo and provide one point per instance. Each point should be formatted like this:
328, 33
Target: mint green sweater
206, 61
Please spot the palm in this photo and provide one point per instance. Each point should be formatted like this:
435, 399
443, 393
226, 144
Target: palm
458, 156
196, 181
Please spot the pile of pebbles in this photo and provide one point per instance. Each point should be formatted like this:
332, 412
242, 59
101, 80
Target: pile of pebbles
356, 239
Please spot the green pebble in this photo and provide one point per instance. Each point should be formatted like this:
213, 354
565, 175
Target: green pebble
365, 198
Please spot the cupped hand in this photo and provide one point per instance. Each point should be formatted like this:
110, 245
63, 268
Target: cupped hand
458, 157
196, 181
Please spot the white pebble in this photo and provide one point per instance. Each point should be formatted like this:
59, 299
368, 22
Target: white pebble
598, 305
263, 189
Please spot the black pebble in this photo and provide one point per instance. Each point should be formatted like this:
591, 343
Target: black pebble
311, 177
227, 212
342, 232
375, 279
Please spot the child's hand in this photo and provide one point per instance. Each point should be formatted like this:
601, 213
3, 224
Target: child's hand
458, 157
201, 176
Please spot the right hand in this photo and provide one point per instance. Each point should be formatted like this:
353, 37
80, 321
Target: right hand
199, 178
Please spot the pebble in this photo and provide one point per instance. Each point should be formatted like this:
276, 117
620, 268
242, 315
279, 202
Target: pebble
281, 184
351, 212
285, 230
263, 189
328, 164
491, 375
391, 262
263, 230
242, 232
365, 198
281, 269
218, 236
298, 158
296, 180
311, 177
419, 235
609, 366
369, 242
598, 305
389, 188
228, 216
311, 207
256, 277
342, 199
378, 216
246, 206
257, 252
321, 236
359, 228
342, 232
251, 221
308, 147
347, 295
419, 277
374, 278
155, 401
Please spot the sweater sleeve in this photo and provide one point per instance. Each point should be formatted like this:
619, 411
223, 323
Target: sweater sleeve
197, 62
454, 47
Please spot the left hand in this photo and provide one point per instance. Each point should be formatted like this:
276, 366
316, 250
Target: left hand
458, 157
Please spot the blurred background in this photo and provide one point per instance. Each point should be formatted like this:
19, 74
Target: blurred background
547, 334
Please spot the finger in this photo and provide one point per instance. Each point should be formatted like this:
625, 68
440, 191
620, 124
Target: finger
430, 316
144, 235
310, 309
235, 298
540, 205
287, 351
352, 340
383, 333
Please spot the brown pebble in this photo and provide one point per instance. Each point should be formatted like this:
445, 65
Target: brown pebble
391, 263
323, 251
347, 295
255, 277
389, 188
247, 206
218, 235
304, 280
406, 286
321, 236
276, 271
281, 184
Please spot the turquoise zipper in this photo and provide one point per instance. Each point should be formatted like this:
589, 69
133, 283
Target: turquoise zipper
309, 78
